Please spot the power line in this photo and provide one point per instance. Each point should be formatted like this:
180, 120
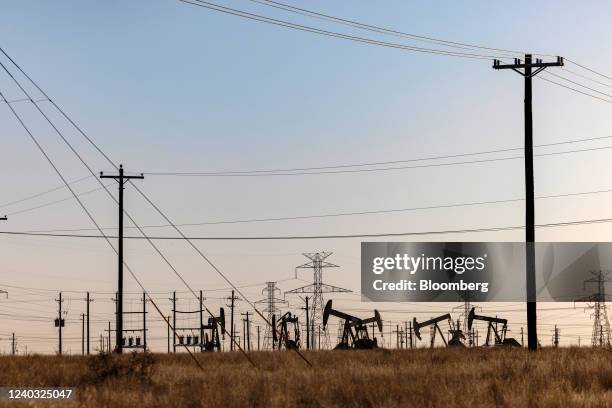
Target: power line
305, 168
301, 27
589, 69
573, 89
43, 193
416, 159
349, 171
378, 29
586, 77
286, 24
340, 214
579, 84
335, 236
55, 202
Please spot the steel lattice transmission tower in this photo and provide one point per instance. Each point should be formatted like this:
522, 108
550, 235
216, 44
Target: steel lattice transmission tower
464, 309
271, 302
601, 323
317, 289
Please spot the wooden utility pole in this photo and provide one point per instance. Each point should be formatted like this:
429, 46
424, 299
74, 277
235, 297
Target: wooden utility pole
246, 332
307, 325
88, 300
173, 322
121, 178
201, 339
556, 337
144, 321
410, 332
232, 299
83, 333
528, 73
59, 322
168, 334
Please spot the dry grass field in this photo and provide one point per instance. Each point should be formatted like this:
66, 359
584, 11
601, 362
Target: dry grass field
381, 378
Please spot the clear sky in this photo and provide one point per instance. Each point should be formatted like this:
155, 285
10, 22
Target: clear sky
164, 86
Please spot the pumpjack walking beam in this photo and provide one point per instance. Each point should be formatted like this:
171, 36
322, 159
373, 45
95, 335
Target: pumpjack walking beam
434, 321
121, 179
528, 73
492, 322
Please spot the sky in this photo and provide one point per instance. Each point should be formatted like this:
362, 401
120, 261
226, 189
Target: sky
164, 86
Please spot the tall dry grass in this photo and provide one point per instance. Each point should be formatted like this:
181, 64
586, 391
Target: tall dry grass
422, 378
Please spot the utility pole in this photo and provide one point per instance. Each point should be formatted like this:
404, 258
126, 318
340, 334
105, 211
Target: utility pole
528, 74
397, 336
13, 348
83, 333
173, 322
410, 333
121, 178
556, 337
59, 322
168, 334
258, 344
88, 300
307, 325
144, 321
232, 299
244, 335
247, 332
201, 339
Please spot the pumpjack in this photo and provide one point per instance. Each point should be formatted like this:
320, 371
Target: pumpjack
283, 339
213, 342
457, 334
355, 330
499, 335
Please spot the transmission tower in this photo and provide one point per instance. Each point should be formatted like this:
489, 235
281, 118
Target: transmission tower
465, 312
317, 288
601, 324
271, 302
